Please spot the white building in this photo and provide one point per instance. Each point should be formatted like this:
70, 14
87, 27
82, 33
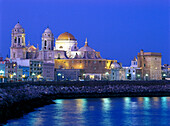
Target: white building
130, 72
117, 72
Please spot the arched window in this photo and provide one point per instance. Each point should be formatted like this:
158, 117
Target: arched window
60, 47
45, 43
15, 39
22, 39
18, 40
58, 55
14, 55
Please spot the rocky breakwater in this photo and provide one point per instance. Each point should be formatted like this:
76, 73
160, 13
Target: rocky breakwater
19, 98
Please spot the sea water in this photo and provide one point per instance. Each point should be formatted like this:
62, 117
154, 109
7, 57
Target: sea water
123, 111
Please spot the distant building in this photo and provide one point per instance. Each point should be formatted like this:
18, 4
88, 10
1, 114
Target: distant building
36, 69
2, 70
11, 70
19, 74
150, 66
166, 71
130, 72
25, 72
117, 72
48, 71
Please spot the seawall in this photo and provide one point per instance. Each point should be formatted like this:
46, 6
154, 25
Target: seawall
19, 98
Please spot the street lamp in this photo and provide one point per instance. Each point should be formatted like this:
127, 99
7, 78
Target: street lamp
164, 75
59, 76
1, 72
14, 74
33, 74
146, 75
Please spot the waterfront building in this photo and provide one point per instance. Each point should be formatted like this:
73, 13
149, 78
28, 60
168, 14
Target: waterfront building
64, 55
19, 74
166, 71
25, 72
2, 70
117, 72
130, 72
48, 71
150, 65
35, 69
11, 70
41, 70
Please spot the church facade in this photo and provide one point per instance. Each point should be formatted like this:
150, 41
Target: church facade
62, 52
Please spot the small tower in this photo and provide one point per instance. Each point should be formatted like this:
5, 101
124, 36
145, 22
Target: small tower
134, 63
47, 40
18, 48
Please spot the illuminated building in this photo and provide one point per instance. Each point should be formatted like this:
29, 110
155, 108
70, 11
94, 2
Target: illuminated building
166, 71
64, 55
150, 65
2, 70
11, 70
130, 72
117, 72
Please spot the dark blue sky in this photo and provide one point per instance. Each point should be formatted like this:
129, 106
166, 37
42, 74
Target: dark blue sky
116, 28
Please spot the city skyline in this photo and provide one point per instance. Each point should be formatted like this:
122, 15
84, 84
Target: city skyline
109, 26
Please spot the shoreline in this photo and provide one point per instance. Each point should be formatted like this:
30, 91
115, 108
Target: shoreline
18, 99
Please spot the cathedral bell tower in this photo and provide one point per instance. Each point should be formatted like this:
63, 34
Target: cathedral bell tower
47, 40
18, 48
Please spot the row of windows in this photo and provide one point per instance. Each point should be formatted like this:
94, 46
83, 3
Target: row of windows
36, 73
86, 62
35, 69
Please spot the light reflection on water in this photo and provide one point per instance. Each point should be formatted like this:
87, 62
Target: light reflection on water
127, 111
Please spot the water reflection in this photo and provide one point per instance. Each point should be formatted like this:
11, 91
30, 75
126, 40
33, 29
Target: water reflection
127, 111
127, 103
106, 104
146, 103
164, 103
106, 115
81, 105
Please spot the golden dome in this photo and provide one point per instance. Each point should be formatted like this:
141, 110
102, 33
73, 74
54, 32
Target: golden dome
66, 36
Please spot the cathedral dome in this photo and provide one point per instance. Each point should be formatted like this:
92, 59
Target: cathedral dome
115, 66
47, 30
66, 36
18, 26
86, 48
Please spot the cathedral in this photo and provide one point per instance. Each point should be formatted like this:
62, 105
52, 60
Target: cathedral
62, 52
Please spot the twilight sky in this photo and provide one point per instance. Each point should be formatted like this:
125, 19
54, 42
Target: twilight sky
116, 28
